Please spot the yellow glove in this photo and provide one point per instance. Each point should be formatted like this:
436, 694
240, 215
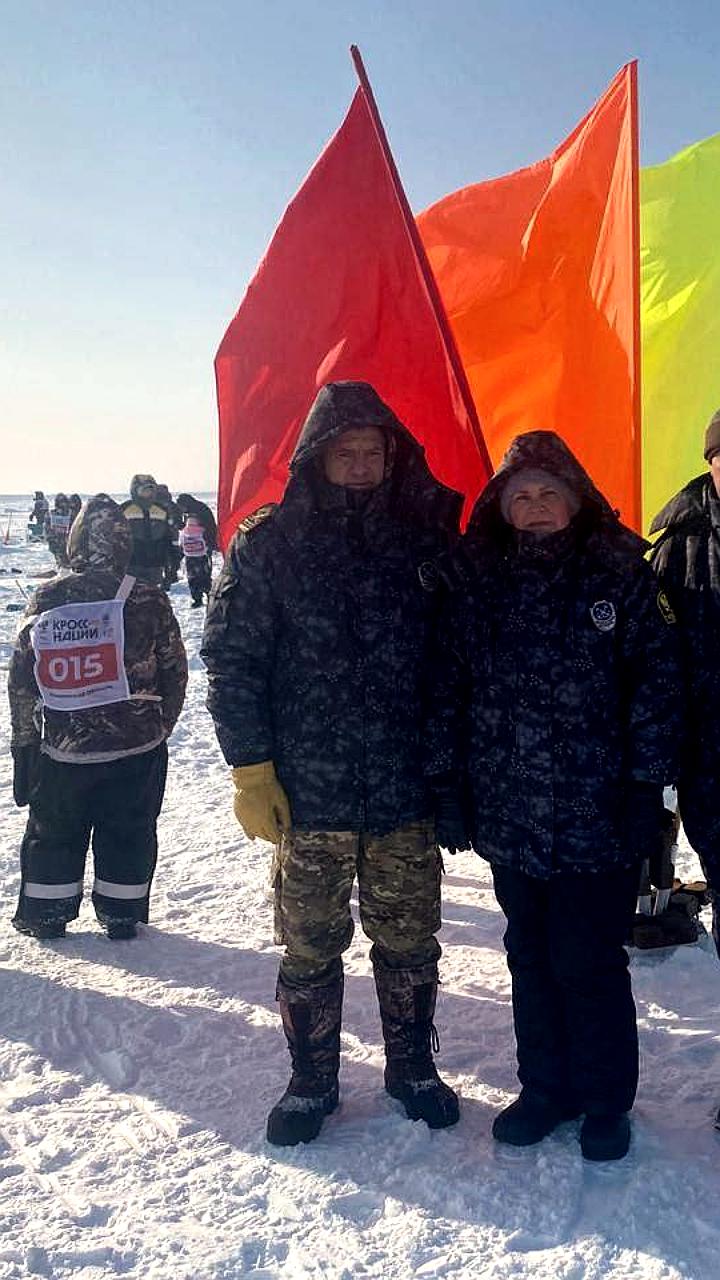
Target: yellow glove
261, 806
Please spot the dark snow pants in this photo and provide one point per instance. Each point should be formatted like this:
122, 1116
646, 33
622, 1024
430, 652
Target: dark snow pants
115, 805
573, 1007
199, 576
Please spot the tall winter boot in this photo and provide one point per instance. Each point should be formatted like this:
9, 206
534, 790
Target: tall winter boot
311, 1021
407, 1006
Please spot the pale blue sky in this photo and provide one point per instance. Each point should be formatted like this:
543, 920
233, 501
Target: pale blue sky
149, 149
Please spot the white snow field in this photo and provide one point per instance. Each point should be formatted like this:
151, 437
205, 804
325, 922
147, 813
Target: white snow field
135, 1078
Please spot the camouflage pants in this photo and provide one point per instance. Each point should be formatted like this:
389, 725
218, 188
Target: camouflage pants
399, 893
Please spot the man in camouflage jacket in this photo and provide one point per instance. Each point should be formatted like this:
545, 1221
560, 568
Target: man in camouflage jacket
99, 770
558, 700
316, 644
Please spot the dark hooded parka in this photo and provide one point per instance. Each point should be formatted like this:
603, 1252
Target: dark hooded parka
686, 558
558, 687
318, 629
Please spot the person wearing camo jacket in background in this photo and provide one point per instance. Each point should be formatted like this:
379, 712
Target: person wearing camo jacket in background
317, 643
97, 682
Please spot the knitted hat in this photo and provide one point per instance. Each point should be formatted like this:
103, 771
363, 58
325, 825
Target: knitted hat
537, 475
712, 436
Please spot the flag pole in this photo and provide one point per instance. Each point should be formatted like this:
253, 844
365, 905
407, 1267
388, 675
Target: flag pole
425, 268
637, 339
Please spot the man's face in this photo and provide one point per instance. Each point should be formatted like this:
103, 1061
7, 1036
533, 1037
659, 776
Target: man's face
715, 471
539, 506
356, 458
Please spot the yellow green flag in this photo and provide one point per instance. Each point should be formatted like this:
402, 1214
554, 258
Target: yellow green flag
680, 316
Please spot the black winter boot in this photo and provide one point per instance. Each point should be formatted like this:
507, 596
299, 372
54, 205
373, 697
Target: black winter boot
119, 928
311, 1022
605, 1137
407, 1005
530, 1118
45, 930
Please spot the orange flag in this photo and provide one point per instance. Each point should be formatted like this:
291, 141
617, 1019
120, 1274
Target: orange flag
538, 272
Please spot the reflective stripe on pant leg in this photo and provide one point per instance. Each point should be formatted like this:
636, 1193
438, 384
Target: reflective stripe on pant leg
109, 889
314, 876
53, 891
399, 878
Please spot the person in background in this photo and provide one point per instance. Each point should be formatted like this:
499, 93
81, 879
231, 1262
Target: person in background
102, 653
686, 558
557, 710
190, 506
198, 564
152, 537
74, 505
38, 515
317, 645
57, 527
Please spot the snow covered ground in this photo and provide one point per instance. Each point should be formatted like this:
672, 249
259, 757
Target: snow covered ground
135, 1078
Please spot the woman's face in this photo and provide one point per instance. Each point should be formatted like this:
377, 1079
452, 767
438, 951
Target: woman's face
539, 506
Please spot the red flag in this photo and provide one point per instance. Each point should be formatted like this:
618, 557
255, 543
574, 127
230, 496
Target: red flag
539, 274
342, 292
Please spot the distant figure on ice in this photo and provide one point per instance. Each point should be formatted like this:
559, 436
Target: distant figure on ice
38, 515
686, 558
317, 643
558, 703
74, 505
57, 527
190, 506
198, 564
104, 654
152, 536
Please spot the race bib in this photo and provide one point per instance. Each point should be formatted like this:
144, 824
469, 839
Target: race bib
193, 544
79, 653
59, 523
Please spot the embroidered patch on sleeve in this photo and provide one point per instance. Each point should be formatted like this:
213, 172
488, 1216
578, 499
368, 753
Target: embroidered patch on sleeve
666, 610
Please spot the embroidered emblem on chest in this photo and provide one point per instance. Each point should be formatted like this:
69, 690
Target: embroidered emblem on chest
603, 614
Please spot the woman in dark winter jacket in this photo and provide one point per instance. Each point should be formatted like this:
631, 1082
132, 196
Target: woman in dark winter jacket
558, 701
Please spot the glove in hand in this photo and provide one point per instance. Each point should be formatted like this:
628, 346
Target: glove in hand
261, 806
